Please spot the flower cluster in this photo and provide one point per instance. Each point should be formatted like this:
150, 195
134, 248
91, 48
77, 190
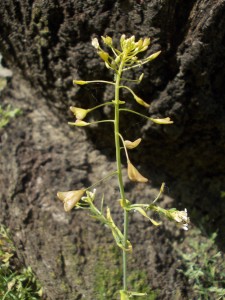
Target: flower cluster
128, 52
180, 217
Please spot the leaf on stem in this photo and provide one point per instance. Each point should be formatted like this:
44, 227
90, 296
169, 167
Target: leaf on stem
117, 234
141, 211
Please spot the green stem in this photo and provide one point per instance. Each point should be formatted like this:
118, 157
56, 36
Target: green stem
103, 179
102, 121
119, 168
100, 81
134, 112
5, 295
100, 105
94, 122
124, 147
125, 234
129, 89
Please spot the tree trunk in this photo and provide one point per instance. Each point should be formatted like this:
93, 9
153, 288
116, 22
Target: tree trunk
47, 44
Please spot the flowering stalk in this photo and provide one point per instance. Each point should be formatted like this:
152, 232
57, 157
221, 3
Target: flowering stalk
119, 167
120, 61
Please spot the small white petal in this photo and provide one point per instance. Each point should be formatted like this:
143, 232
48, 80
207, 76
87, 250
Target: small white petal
185, 227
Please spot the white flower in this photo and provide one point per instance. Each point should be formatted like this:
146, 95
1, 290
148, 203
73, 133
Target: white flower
92, 194
181, 217
184, 226
89, 196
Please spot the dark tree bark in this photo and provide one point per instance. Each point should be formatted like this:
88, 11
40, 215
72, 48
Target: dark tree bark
47, 44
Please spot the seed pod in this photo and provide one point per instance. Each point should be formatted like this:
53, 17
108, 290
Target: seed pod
132, 145
79, 113
141, 102
133, 173
162, 121
79, 123
70, 198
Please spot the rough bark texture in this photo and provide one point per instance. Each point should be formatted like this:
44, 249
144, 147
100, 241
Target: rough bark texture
47, 44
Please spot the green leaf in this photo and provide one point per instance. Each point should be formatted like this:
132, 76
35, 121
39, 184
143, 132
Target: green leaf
117, 234
141, 211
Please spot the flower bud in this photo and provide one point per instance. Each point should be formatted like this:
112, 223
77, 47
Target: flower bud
132, 39
153, 56
95, 43
146, 42
134, 175
141, 77
132, 145
70, 198
162, 121
79, 113
144, 48
122, 41
104, 55
139, 44
122, 38
134, 58
80, 82
107, 40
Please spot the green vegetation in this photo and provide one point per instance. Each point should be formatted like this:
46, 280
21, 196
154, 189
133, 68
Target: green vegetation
16, 283
6, 114
108, 273
204, 266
